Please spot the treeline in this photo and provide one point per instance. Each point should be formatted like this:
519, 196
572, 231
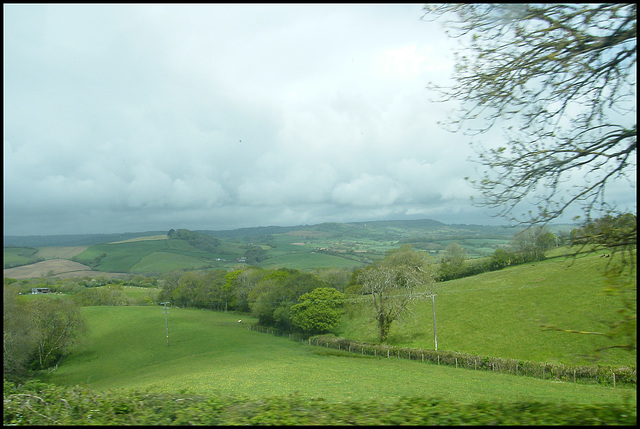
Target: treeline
617, 233
528, 245
268, 294
196, 239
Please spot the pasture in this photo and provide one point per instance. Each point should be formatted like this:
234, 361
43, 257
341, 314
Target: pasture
211, 353
500, 314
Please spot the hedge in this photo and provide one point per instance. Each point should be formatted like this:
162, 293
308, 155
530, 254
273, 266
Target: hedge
41, 404
599, 374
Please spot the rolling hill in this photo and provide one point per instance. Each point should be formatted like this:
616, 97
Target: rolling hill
304, 247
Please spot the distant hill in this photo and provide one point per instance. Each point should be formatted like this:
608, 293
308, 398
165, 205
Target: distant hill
71, 239
89, 239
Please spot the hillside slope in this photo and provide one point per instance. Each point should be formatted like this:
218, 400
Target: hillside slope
500, 314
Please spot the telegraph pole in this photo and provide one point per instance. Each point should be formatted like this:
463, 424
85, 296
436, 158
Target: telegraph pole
435, 332
166, 320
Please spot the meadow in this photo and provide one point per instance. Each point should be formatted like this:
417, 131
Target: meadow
500, 314
212, 353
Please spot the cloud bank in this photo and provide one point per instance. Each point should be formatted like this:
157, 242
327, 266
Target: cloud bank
124, 118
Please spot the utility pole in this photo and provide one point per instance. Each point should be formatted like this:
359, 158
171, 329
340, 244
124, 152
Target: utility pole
166, 320
435, 332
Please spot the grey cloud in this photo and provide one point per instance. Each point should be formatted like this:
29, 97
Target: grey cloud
124, 118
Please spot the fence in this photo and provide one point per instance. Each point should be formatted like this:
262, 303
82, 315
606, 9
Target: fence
600, 374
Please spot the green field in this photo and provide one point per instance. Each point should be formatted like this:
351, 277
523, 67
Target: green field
160, 262
210, 352
499, 314
17, 256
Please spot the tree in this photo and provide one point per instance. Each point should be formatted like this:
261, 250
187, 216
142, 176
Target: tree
530, 244
318, 311
400, 279
273, 296
57, 325
501, 258
566, 74
452, 262
19, 341
188, 290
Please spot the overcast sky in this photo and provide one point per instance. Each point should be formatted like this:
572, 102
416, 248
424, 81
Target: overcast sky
121, 118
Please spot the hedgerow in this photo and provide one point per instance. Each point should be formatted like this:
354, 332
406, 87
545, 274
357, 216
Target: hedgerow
37, 403
600, 374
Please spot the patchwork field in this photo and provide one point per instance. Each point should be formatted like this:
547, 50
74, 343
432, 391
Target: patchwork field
308, 247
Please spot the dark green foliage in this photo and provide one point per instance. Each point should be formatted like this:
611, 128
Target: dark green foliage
255, 255
37, 332
196, 239
57, 324
611, 232
41, 404
319, 311
107, 295
276, 292
453, 261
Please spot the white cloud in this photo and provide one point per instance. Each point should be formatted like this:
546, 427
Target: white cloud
210, 116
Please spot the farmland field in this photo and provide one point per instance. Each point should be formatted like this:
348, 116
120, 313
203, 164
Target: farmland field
500, 314
349, 245
210, 352
44, 268
161, 262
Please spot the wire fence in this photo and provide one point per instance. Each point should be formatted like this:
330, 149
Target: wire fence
588, 374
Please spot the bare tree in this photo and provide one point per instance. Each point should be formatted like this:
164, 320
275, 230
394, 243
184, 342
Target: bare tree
57, 325
403, 277
564, 76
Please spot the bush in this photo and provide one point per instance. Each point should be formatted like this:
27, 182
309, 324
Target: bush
41, 404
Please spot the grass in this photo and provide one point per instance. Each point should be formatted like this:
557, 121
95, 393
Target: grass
500, 314
16, 256
62, 252
210, 352
162, 262
310, 260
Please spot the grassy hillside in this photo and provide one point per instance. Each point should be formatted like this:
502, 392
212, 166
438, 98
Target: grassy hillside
17, 256
211, 352
499, 314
